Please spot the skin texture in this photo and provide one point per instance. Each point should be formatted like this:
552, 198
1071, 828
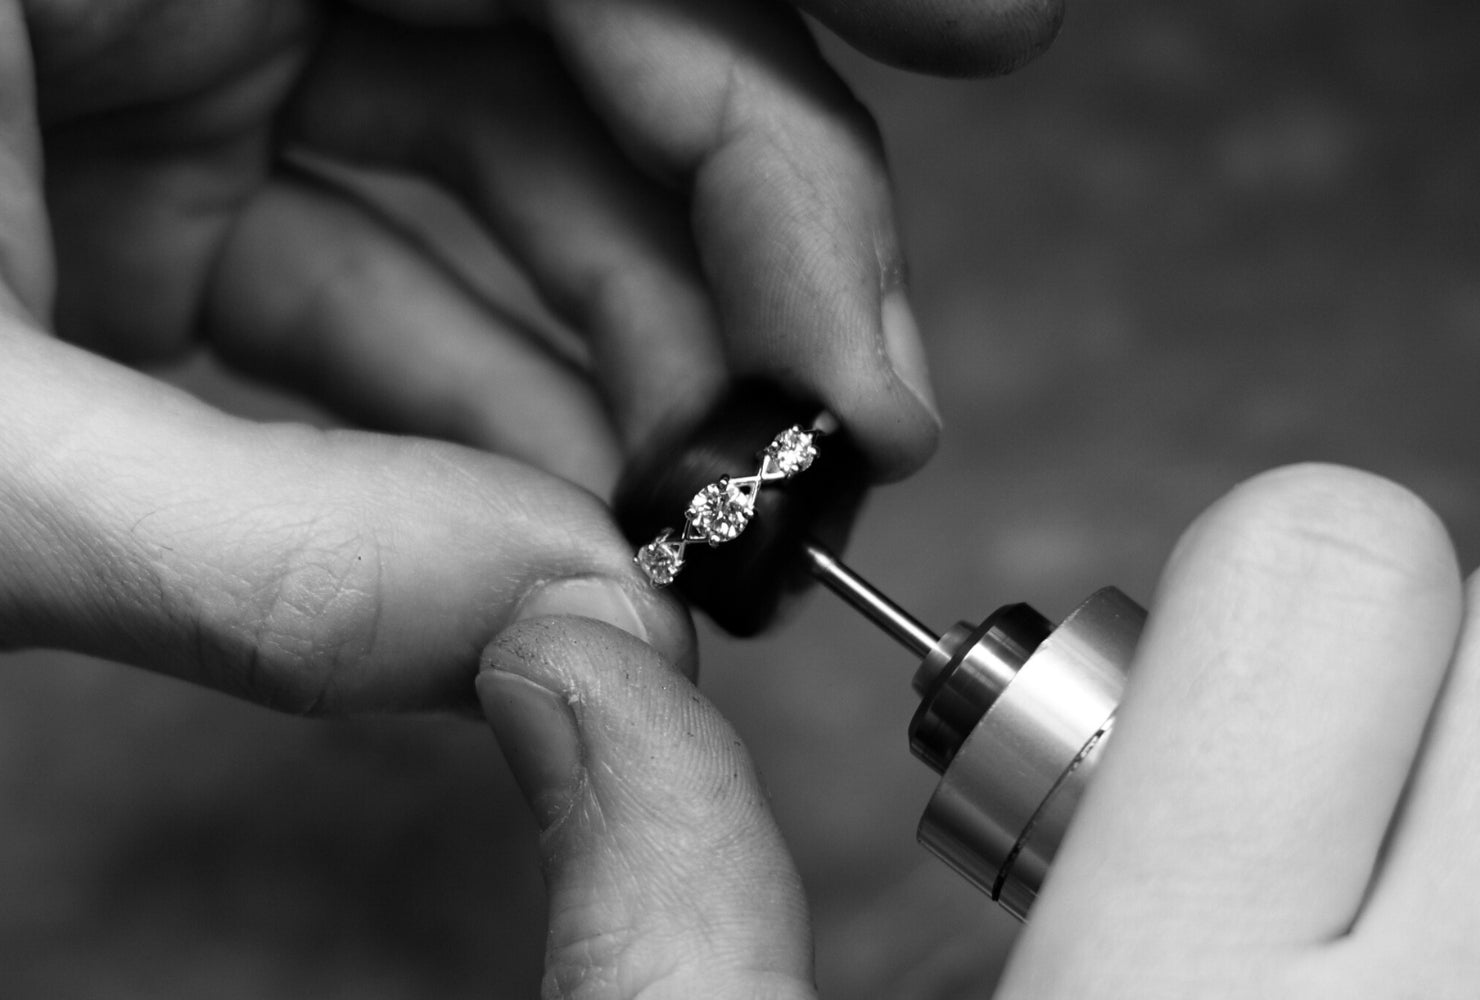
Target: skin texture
709, 199
1306, 671
1286, 809
686, 185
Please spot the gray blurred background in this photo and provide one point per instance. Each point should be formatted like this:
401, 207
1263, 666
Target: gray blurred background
1192, 242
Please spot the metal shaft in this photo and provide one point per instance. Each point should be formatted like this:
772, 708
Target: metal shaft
874, 606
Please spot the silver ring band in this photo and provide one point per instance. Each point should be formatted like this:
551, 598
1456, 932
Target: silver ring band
720, 511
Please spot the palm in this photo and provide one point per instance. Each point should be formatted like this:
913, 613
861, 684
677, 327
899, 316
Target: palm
159, 120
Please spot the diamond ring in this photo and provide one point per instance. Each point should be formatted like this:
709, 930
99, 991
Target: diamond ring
720, 511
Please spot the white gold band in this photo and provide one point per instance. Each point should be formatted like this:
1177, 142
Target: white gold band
720, 511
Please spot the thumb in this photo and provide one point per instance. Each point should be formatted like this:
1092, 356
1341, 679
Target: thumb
667, 876
309, 570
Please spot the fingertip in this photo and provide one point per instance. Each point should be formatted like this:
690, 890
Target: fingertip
664, 868
536, 731
945, 37
894, 427
571, 655
891, 410
631, 714
1282, 520
656, 619
896, 440
906, 351
1297, 556
882, 394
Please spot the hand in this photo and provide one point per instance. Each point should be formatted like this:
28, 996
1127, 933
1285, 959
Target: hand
1289, 804
687, 184
1287, 809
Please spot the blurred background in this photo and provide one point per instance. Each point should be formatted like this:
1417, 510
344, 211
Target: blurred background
1191, 242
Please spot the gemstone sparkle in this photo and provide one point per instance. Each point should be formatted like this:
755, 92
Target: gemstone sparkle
720, 511
792, 451
661, 559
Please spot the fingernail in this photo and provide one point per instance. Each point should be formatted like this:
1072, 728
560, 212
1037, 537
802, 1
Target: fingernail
657, 620
586, 597
906, 351
536, 731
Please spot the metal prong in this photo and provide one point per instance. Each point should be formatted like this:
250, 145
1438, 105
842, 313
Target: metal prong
874, 606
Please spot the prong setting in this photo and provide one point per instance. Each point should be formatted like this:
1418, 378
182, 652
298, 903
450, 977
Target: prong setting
720, 512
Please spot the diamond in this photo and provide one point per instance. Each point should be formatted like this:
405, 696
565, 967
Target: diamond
720, 511
661, 559
792, 451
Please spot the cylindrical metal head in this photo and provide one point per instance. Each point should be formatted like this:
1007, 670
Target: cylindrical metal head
1008, 792
960, 679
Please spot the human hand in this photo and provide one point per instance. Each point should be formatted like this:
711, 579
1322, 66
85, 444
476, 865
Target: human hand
1286, 809
687, 184
1288, 806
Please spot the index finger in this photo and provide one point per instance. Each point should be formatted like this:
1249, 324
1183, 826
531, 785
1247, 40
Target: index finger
791, 210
